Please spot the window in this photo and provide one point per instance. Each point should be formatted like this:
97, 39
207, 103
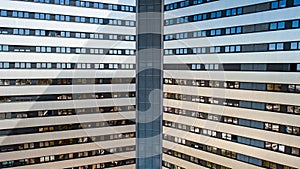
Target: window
227, 31
3, 13
57, 18
15, 31
15, 14
281, 25
5, 48
273, 26
295, 24
279, 46
282, 3
27, 32
233, 11
26, 15
274, 5
68, 34
101, 5
296, 2
240, 10
295, 151
20, 14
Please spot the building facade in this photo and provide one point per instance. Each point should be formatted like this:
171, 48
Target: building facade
67, 84
231, 84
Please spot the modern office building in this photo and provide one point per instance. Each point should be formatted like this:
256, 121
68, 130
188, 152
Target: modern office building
67, 76
216, 84
231, 84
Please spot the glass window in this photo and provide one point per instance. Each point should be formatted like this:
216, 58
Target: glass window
195, 18
26, 15
298, 65
238, 29
226, 48
5, 48
213, 15
68, 34
87, 4
67, 18
21, 31
43, 33
62, 17
37, 32
57, 17
281, 25
91, 20
232, 48
38, 65
227, 31
295, 24
96, 5
228, 12
37, 49
20, 14
15, 14
28, 65
77, 19
273, 26
43, 49
15, 31
68, 50
42, 16
274, 5
77, 3
5, 65
296, 2
17, 65
115, 7
239, 10
233, 11
3, 13
27, 32
272, 46
294, 45
232, 30
49, 49
282, 3
279, 46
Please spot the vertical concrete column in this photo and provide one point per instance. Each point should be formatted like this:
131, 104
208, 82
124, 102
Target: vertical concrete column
149, 83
